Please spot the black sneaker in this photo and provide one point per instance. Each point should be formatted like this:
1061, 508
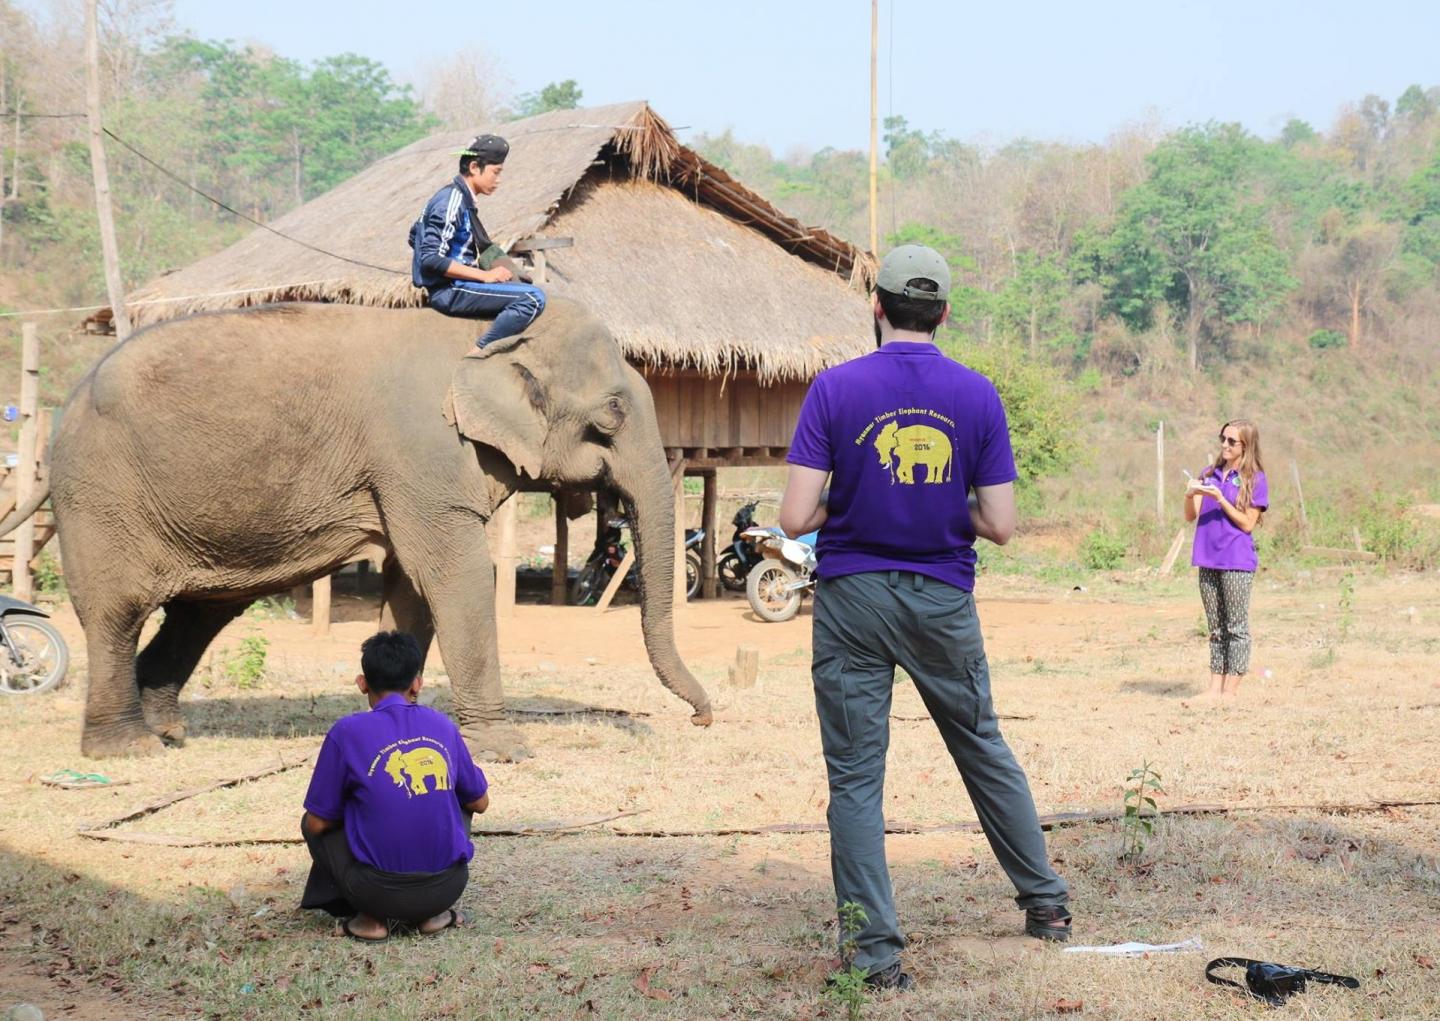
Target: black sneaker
890, 978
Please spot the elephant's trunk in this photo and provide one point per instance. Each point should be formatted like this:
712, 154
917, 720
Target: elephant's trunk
650, 496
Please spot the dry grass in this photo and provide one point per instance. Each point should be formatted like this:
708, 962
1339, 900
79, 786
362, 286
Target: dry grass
564, 926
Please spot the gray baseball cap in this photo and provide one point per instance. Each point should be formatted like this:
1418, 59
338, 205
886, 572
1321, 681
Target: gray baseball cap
912, 262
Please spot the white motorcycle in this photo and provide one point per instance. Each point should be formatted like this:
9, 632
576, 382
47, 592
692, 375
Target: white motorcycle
777, 584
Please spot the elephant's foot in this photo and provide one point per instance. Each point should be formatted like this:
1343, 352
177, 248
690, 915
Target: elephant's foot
162, 713
119, 741
494, 742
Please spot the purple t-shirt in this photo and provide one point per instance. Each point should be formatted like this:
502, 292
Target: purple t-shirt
396, 776
905, 433
1219, 542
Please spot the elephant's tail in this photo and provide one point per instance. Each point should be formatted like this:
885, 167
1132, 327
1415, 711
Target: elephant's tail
20, 515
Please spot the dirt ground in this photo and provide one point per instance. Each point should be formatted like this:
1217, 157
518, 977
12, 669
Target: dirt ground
582, 919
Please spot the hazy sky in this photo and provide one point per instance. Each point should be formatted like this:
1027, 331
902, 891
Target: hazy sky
794, 73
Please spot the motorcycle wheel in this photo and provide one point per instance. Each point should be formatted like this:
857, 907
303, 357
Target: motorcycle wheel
768, 589
44, 657
692, 573
588, 584
731, 571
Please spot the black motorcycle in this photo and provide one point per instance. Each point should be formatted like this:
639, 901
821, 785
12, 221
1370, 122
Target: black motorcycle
33, 656
740, 556
609, 551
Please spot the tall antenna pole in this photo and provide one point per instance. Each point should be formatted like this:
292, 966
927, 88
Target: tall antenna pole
874, 131
108, 246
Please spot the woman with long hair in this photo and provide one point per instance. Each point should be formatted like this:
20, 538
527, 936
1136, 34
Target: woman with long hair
1227, 501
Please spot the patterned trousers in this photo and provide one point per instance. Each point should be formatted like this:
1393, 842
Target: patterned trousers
1226, 595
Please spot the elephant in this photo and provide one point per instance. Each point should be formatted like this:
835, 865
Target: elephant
419, 764
915, 444
214, 459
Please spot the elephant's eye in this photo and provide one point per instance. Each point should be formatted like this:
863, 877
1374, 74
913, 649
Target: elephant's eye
613, 405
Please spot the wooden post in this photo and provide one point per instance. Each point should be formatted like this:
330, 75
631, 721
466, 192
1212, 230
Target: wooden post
114, 285
1160, 473
320, 606
560, 574
874, 130
677, 478
709, 582
1300, 499
21, 579
506, 559
746, 667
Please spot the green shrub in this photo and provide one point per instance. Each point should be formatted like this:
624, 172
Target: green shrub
1322, 339
49, 578
245, 665
1102, 551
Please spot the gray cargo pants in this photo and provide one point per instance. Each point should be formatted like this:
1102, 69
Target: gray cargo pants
865, 626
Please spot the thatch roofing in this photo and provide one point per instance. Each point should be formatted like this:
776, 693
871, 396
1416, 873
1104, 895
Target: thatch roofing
688, 267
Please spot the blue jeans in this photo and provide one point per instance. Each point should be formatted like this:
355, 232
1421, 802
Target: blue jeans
514, 305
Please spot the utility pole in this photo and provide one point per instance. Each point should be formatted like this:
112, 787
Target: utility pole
108, 246
874, 132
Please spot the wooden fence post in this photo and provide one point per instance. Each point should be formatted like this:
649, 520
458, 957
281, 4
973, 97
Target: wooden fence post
1160, 473
708, 580
21, 578
560, 573
678, 478
1300, 499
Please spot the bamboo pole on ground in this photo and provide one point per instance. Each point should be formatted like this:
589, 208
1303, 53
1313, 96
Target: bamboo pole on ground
1300, 500
109, 248
21, 579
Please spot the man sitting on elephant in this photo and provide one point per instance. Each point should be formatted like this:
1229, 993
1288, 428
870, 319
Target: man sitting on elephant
387, 815
466, 274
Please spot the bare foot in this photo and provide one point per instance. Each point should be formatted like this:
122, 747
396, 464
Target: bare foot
364, 928
450, 918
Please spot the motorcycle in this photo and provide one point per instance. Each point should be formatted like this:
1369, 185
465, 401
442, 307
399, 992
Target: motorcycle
33, 655
610, 550
736, 562
777, 585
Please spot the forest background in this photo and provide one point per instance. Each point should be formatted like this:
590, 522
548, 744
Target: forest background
1180, 275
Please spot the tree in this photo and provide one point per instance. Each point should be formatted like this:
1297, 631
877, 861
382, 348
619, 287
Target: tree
1031, 303
564, 95
1415, 104
1364, 254
464, 91
1296, 132
1193, 236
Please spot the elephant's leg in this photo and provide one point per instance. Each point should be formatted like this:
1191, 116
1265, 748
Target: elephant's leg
169, 659
114, 720
404, 608
460, 593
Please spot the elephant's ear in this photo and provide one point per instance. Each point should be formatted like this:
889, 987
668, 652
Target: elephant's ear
499, 402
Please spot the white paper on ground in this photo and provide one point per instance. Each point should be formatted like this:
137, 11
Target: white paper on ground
1135, 949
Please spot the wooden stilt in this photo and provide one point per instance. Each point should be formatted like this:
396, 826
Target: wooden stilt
677, 477
560, 575
709, 583
320, 608
21, 578
506, 558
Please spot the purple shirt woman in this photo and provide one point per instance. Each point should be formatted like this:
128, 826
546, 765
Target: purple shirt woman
1226, 502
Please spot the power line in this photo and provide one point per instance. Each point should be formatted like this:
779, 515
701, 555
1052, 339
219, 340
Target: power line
248, 219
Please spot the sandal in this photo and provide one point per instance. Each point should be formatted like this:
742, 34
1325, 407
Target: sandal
345, 930
1040, 922
455, 922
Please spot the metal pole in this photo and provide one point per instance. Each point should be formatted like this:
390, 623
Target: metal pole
114, 286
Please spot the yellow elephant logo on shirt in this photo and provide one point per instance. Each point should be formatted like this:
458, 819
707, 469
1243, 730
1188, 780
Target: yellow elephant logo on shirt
902, 448
417, 766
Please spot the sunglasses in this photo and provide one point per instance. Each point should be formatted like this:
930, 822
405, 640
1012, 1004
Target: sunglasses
1273, 983
1231, 442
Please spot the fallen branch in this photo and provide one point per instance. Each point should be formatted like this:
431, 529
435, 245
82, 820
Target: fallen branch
577, 711
165, 802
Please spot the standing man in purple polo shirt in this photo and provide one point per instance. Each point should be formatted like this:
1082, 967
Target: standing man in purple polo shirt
917, 451
387, 815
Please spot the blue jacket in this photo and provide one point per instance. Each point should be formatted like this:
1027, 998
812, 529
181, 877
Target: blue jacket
449, 229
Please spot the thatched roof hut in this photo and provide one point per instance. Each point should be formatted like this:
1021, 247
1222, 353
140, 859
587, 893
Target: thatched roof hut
689, 268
